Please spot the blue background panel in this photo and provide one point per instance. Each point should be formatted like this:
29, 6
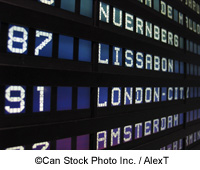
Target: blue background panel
191, 69
64, 98
63, 144
83, 142
188, 117
181, 119
181, 67
86, 8
66, 47
83, 99
156, 5
195, 70
191, 92
68, 5
85, 50
176, 66
181, 42
175, 15
195, 114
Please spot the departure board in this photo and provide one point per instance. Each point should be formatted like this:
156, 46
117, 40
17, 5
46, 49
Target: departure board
99, 74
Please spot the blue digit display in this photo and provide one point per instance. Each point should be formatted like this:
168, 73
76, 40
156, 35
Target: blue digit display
17, 39
41, 99
48, 2
64, 98
85, 50
15, 97
66, 47
43, 43
41, 146
83, 98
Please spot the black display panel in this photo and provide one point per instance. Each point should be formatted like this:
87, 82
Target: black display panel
98, 74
